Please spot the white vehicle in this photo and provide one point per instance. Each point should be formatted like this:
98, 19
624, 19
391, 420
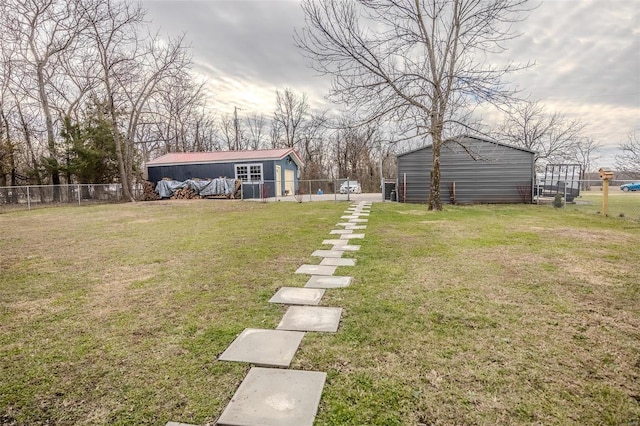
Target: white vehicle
352, 187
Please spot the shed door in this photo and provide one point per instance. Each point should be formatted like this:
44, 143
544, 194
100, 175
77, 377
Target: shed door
289, 182
278, 181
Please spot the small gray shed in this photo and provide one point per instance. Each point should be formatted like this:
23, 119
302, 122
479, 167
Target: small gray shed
472, 170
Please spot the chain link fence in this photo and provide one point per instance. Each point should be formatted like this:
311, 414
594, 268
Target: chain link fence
306, 190
620, 203
35, 196
582, 195
590, 199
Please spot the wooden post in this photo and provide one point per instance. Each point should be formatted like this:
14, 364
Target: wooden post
404, 188
605, 197
605, 175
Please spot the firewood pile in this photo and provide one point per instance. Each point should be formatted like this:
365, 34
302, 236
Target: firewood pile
192, 189
185, 194
149, 191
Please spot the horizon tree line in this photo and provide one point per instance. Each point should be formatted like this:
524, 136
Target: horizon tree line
88, 93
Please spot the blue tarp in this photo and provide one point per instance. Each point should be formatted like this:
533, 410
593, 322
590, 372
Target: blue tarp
205, 188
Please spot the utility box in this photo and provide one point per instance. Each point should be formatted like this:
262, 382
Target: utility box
388, 188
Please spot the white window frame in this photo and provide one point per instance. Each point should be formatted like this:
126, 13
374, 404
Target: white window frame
249, 174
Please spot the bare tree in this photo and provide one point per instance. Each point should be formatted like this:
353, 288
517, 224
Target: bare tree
7, 147
553, 137
585, 153
133, 67
311, 144
227, 131
289, 116
256, 124
629, 160
412, 61
112, 29
43, 30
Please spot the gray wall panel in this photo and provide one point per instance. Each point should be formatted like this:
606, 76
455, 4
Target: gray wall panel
483, 172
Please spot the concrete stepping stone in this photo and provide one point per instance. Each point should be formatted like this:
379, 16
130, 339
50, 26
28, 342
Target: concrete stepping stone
316, 269
355, 227
346, 247
344, 224
271, 348
311, 318
297, 296
338, 262
275, 397
351, 236
328, 282
358, 220
328, 253
178, 424
340, 231
349, 217
335, 242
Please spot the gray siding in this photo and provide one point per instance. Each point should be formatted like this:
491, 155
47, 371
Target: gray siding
483, 172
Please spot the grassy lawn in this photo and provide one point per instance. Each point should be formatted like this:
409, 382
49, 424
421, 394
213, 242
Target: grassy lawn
481, 315
621, 204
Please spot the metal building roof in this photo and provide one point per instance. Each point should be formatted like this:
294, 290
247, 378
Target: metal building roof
462, 137
176, 158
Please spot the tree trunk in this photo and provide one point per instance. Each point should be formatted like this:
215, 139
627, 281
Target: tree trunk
51, 142
117, 138
435, 204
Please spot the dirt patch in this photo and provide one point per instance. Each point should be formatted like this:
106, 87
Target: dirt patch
589, 236
29, 310
116, 292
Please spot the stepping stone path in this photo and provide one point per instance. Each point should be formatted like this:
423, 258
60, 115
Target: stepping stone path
297, 296
280, 396
311, 318
341, 231
332, 261
316, 270
328, 253
328, 282
350, 236
271, 348
275, 397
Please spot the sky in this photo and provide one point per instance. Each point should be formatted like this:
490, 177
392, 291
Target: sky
586, 56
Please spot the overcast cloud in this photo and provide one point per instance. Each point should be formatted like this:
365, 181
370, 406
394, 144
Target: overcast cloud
587, 56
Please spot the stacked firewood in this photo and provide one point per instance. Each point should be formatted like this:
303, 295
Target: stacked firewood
185, 194
149, 191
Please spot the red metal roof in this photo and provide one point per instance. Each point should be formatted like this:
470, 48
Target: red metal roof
174, 158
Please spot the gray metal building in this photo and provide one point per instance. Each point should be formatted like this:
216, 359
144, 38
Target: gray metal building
473, 170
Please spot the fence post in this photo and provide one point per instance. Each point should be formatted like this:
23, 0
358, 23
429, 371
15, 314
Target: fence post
348, 188
79, 194
382, 183
28, 198
404, 188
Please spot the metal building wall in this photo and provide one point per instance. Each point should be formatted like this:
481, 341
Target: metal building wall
483, 172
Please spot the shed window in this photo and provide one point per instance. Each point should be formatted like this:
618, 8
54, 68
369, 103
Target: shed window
249, 172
